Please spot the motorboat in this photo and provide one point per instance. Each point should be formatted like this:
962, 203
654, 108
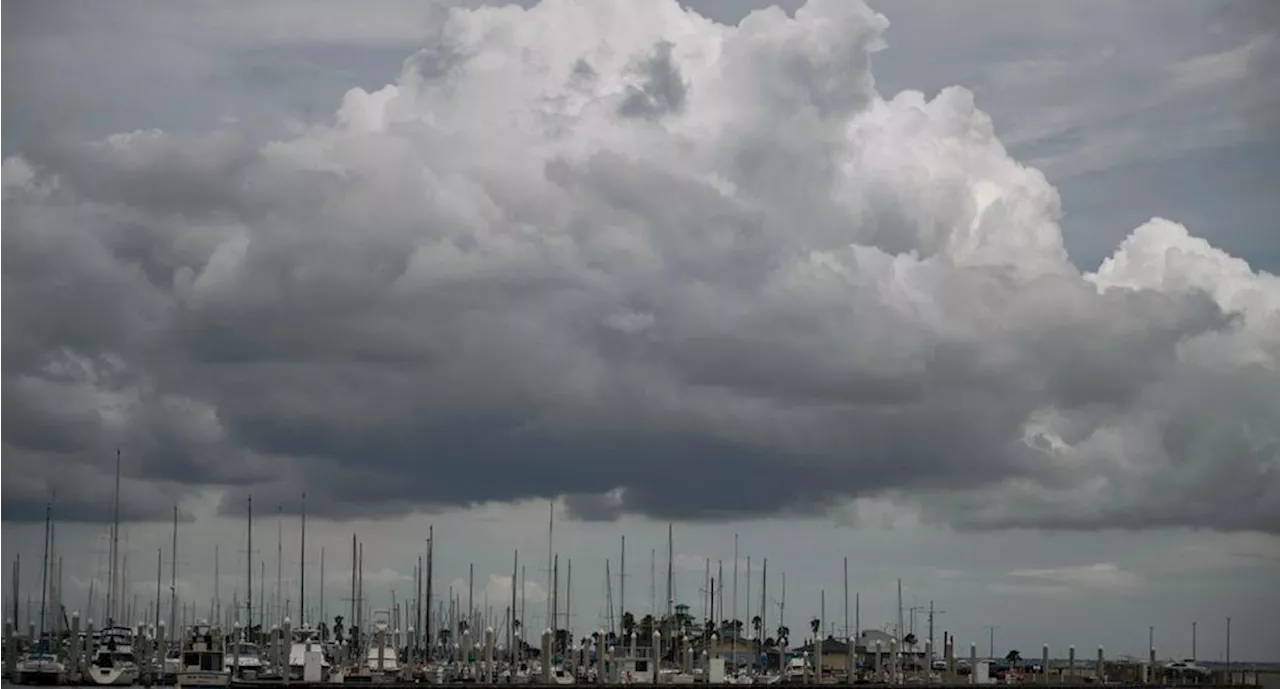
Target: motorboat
244, 660
113, 661
305, 650
381, 658
203, 659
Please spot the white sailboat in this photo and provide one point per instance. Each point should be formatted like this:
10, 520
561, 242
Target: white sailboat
114, 663
41, 665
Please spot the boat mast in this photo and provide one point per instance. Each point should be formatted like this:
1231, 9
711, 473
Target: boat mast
511, 621
44, 571
671, 582
431, 544
551, 533
302, 568
353, 580
173, 578
159, 576
115, 548
622, 586
278, 606
248, 594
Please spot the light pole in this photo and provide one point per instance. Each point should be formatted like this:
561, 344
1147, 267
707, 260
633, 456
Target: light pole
991, 631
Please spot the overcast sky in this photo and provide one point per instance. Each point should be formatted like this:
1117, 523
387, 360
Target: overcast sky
981, 296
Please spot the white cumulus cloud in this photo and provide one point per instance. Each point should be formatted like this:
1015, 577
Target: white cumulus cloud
619, 250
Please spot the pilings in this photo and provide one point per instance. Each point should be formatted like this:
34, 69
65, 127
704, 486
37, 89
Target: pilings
10, 651
489, 675
546, 655
973, 663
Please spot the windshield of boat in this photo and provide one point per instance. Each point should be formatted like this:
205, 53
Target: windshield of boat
109, 658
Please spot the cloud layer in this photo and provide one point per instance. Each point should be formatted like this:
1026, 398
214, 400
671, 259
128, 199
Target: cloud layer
657, 264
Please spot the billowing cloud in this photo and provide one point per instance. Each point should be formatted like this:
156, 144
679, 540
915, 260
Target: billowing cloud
656, 263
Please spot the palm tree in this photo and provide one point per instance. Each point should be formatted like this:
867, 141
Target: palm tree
784, 636
628, 623
646, 628
815, 624
337, 629
756, 623
1013, 657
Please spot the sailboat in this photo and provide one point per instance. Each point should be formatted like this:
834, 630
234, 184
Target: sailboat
306, 651
113, 662
41, 665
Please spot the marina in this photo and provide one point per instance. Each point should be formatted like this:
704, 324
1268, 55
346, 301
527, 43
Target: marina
464, 643
428, 638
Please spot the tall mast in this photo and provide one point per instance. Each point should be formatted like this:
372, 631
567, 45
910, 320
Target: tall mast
17, 573
44, 571
733, 621
115, 548
671, 582
431, 544
608, 599
471, 603
706, 591
551, 534
720, 600
173, 577
901, 631
322, 621
511, 621
622, 584
217, 581
55, 570
352, 617
417, 610
277, 606
159, 575
846, 599
302, 568
568, 602
555, 596
360, 588
248, 567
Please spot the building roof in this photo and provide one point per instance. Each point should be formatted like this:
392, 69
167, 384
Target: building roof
830, 646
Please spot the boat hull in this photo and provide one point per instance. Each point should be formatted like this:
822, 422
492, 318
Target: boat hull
113, 676
41, 677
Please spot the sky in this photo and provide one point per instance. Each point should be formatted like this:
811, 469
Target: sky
982, 297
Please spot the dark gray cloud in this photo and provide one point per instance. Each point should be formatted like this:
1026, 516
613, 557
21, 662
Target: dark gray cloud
487, 283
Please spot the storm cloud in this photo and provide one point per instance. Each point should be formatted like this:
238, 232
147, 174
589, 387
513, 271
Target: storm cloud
623, 253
